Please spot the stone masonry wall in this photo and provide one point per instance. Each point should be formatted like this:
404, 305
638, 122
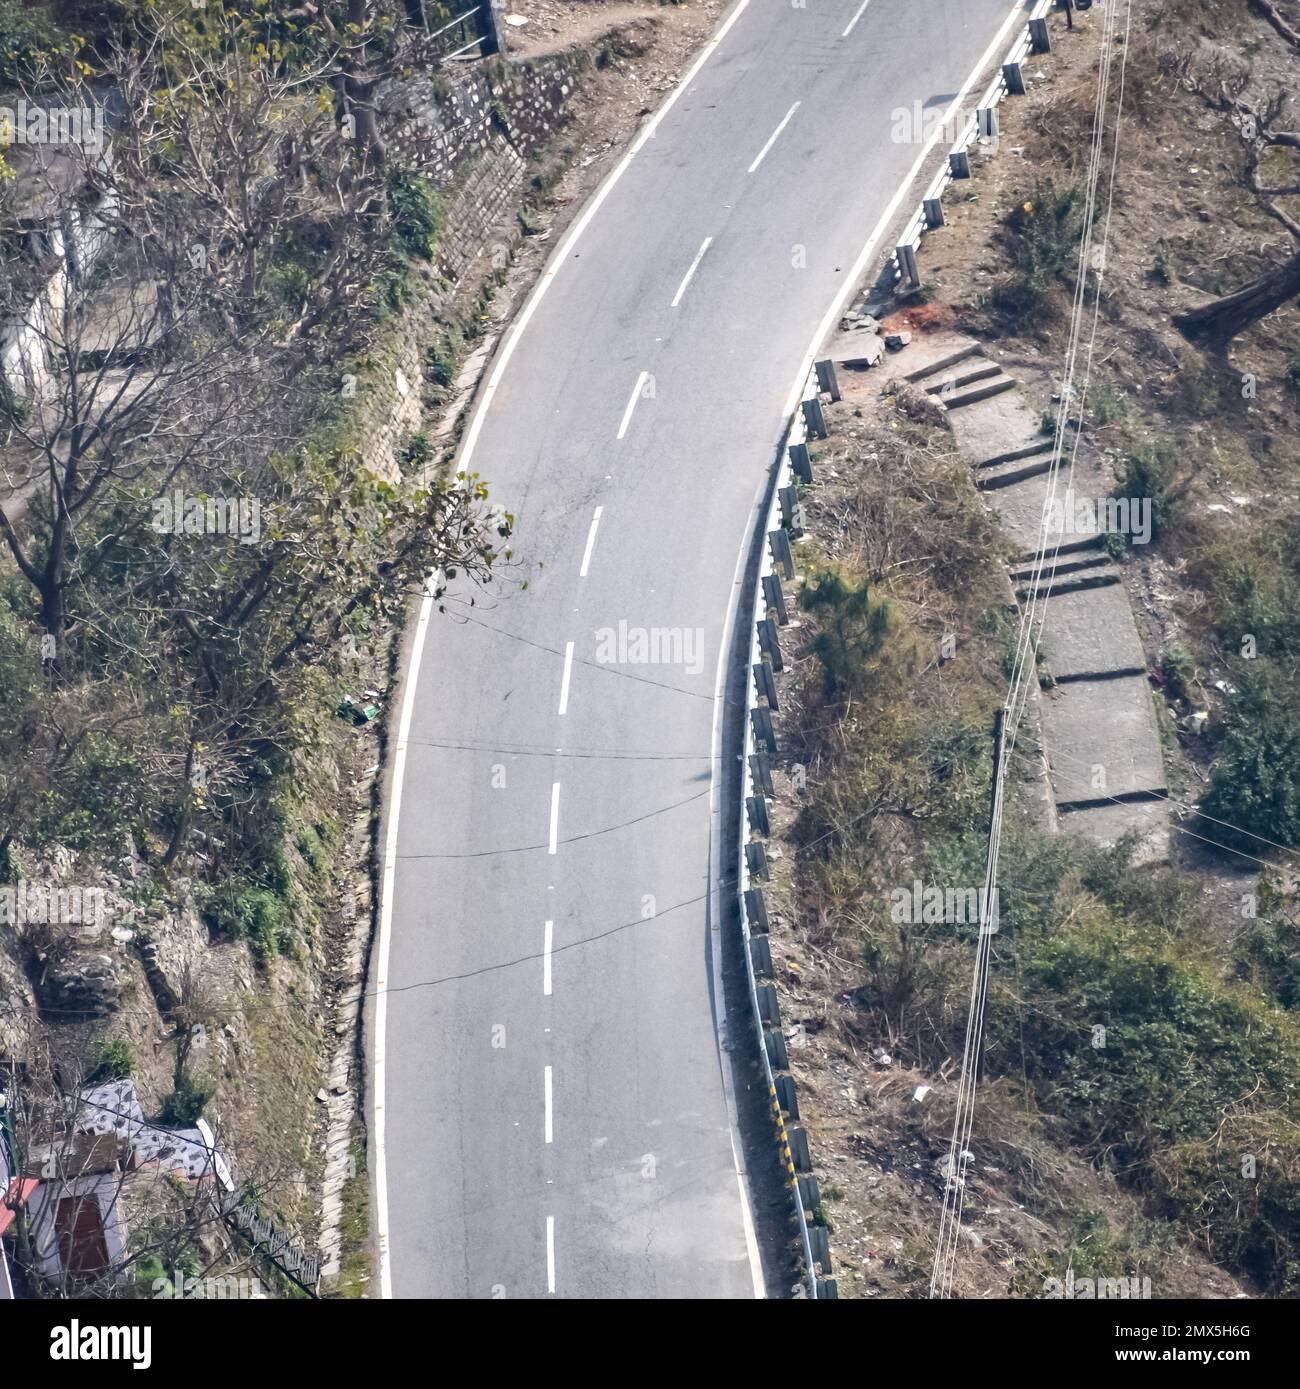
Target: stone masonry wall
483, 129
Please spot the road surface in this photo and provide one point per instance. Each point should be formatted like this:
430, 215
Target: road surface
555, 1113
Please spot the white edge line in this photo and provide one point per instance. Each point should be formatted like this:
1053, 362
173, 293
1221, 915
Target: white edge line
861, 11
591, 543
695, 265
548, 933
564, 679
773, 137
555, 817
385, 939
417, 648
546, 1086
631, 403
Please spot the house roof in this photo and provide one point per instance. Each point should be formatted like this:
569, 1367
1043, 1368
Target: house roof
115, 1108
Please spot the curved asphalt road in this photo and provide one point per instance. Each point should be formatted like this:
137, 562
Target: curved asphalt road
553, 1101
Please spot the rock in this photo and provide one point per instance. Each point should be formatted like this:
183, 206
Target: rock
895, 342
919, 405
84, 983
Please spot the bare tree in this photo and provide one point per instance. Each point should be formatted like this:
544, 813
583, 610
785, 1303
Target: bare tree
1221, 320
225, 250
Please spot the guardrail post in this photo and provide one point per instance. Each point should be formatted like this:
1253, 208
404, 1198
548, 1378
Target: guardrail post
800, 462
760, 770
959, 163
756, 859
821, 1246
986, 122
782, 554
1039, 40
826, 380
760, 954
768, 643
761, 719
777, 1056
906, 256
769, 1009
813, 417
827, 1289
774, 597
789, 499
756, 910
798, 1143
809, 1192
1014, 76
765, 683
785, 1091
933, 209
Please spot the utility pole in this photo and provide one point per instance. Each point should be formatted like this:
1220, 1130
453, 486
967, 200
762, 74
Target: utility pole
989, 906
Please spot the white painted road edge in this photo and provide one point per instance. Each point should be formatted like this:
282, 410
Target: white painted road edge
377, 1129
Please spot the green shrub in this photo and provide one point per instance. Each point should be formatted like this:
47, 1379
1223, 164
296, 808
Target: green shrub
1259, 595
1163, 268
418, 451
1270, 960
1179, 671
417, 215
1149, 1084
853, 627
442, 356
1043, 233
1151, 474
253, 912
184, 1106
109, 1061
1254, 792
99, 794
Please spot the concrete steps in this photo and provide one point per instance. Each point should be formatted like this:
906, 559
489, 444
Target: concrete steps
972, 397
989, 479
